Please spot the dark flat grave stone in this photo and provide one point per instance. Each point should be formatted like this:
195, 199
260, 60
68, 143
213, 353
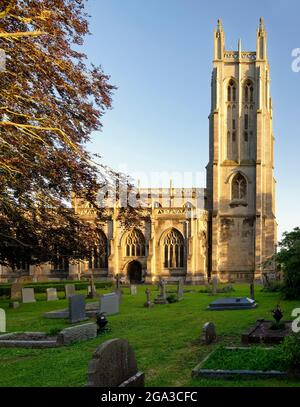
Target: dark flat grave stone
261, 332
232, 304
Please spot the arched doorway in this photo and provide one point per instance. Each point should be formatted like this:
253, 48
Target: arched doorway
134, 272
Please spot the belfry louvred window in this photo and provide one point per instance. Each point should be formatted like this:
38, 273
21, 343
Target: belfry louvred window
239, 187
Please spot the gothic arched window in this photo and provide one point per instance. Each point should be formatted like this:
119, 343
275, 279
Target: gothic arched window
99, 257
239, 187
248, 92
135, 244
173, 249
231, 91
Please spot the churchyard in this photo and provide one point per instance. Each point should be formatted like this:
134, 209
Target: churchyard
166, 337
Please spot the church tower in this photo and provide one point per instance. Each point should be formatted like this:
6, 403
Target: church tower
240, 172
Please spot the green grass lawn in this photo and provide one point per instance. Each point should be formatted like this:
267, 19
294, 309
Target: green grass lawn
166, 340
253, 358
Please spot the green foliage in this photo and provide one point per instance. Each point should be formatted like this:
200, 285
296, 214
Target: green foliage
288, 353
172, 298
273, 287
221, 289
254, 358
60, 286
53, 331
289, 260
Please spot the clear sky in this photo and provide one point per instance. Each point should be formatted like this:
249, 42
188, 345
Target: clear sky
159, 55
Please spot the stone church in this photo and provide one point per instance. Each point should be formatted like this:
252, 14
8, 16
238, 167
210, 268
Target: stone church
229, 228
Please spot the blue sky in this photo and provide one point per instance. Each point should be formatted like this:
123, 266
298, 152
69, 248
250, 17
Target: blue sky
159, 55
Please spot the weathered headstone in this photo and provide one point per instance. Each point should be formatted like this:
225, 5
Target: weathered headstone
180, 290
51, 294
133, 289
28, 295
16, 292
110, 303
2, 321
70, 290
77, 309
148, 303
214, 282
209, 334
114, 365
77, 333
162, 297
92, 293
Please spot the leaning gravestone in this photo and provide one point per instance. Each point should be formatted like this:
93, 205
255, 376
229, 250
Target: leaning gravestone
2, 321
51, 294
70, 290
110, 303
214, 281
16, 292
28, 295
209, 334
133, 290
114, 365
77, 309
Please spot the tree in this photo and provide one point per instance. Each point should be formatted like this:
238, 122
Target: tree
289, 260
50, 102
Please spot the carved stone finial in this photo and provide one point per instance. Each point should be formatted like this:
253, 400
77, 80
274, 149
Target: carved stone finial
261, 24
220, 28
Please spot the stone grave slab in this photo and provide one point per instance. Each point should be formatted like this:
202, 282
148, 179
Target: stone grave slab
77, 309
52, 294
222, 304
70, 290
110, 303
28, 295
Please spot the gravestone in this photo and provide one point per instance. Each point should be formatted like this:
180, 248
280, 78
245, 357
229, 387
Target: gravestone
2, 321
180, 290
77, 309
70, 290
162, 297
92, 293
133, 289
148, 303
16, 292
28, 295
214, 282
209, 334
110, 303
51, 294
114, 365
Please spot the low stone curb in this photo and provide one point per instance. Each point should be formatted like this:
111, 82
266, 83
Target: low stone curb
65, 337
